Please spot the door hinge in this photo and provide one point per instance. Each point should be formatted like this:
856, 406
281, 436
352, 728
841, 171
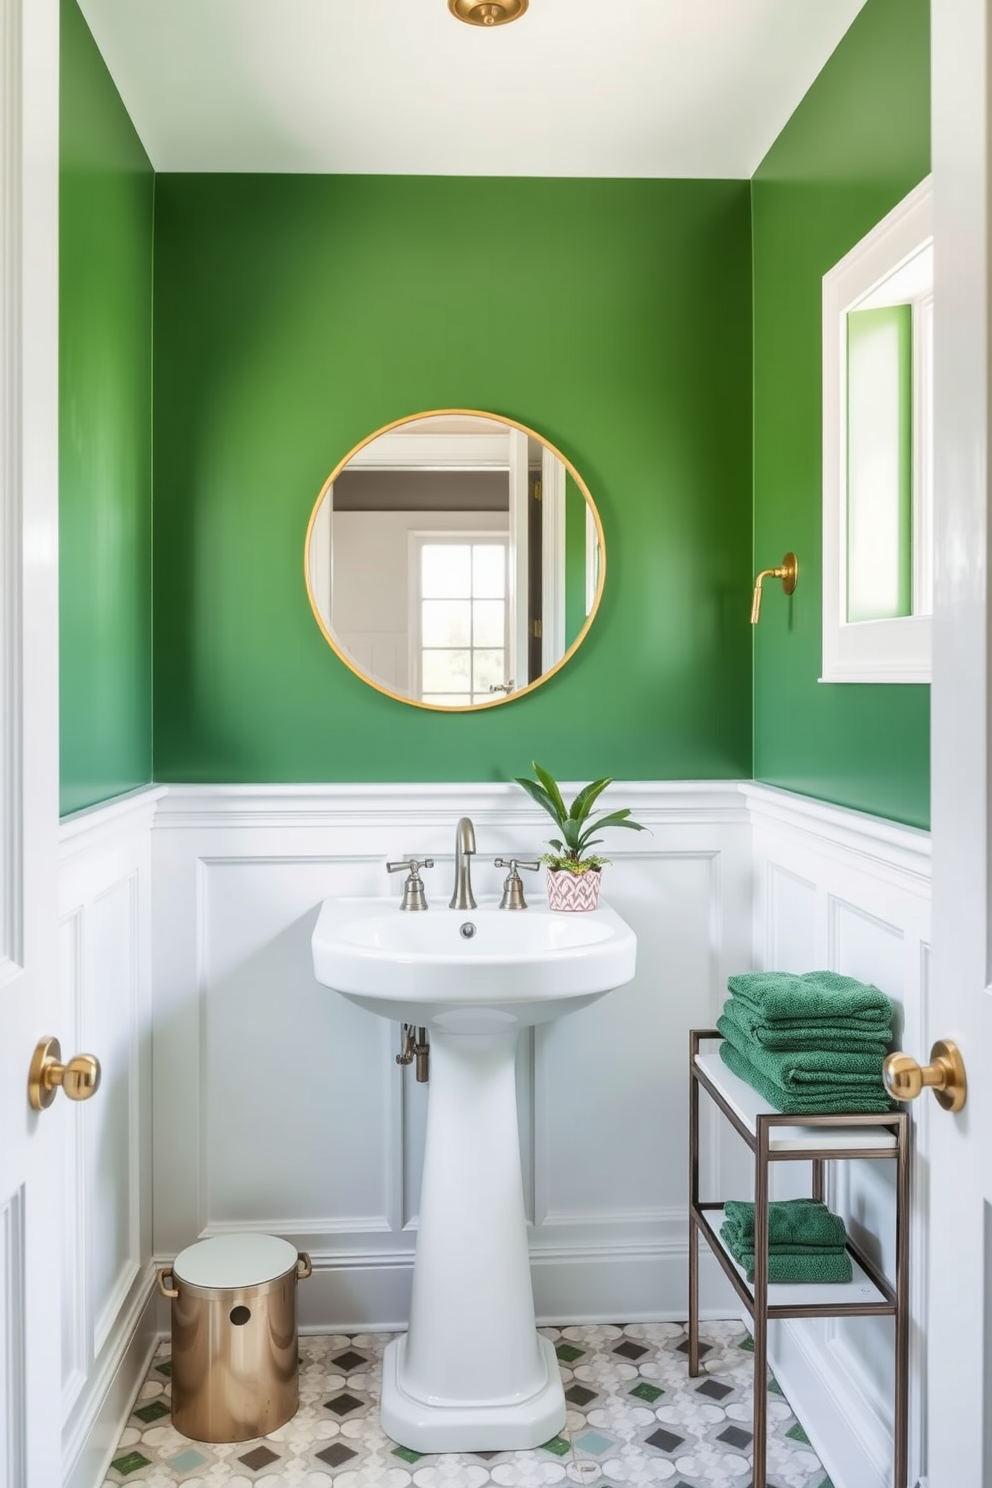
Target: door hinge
538, 491
537, 630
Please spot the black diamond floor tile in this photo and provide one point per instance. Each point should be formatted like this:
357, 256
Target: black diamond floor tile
349, 1361
714, 1389
335, 1455
259, 1457
735, 1437
665, 1441
343, 1405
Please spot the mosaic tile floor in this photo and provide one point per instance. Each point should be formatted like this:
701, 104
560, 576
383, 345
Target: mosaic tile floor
635, 1420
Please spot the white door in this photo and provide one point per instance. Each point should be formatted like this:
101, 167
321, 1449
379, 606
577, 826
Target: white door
30, 1144
959, 1335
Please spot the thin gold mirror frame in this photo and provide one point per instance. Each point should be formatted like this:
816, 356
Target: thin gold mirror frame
495, 702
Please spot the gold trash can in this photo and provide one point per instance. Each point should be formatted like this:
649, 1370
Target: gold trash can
235, 1360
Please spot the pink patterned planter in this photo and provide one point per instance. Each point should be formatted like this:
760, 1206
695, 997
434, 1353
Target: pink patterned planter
573, 891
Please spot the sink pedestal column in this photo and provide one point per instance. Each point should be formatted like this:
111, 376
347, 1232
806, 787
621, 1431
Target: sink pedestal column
472, 1373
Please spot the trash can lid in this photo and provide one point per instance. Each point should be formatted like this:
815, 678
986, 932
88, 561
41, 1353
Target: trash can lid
231, 1261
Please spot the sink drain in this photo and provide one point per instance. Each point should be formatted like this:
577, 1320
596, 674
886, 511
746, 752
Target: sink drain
467, 930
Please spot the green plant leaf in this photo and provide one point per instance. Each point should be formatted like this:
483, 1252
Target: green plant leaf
618, 819
586, 798
586, 840
543, 799
551, 786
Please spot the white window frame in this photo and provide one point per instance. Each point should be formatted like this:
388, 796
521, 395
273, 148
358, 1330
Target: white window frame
896, 650
416, 539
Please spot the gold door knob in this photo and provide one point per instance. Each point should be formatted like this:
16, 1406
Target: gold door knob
944, 1075
80, 1078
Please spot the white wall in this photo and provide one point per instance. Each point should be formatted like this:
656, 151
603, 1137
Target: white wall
105, 994
278, 1105
839, 889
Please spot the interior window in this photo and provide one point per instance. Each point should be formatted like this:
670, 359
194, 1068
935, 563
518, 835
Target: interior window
878, 485
461, 621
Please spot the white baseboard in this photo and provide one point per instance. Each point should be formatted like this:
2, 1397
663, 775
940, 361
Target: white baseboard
852, 1441
371, 1294
111, 1391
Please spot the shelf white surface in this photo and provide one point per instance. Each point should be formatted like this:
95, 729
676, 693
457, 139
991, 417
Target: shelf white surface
861, 1289
747, 1104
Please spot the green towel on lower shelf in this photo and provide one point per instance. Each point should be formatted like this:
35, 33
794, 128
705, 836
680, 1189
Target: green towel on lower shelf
836, 1035
814, 1101
812, 1267
791, 1222
783, 997
805, 1070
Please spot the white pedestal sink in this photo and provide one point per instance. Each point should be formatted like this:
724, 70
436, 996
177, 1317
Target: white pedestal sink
472, 1373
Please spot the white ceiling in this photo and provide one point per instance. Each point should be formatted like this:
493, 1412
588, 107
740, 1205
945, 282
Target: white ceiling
574, 88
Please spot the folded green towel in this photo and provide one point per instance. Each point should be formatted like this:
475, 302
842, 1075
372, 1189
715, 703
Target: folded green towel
792, 1223
812, 1267
782, 996
805, 1070
839, 1036
832, 1100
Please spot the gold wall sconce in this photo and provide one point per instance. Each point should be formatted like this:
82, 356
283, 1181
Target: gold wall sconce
475, 14
788, 572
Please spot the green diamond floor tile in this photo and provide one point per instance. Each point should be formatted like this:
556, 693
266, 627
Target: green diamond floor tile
647, 1392
558, 1445
796, 1433
164, 1368
130, 1463
568, 1353
154, 1411
747, 1344
407, 1454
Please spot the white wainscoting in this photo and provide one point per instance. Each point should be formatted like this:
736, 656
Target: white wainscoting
105, 990
278, 1105
838, 889
239, 1094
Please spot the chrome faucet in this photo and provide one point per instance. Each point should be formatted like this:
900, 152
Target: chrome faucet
463, 898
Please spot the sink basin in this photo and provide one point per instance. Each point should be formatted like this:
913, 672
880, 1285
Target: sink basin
470, 971
472, 1374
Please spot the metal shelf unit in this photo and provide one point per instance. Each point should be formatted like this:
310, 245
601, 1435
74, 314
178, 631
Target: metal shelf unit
772, 1137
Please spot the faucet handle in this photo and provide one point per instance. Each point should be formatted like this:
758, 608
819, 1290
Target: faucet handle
413, 887
513, 888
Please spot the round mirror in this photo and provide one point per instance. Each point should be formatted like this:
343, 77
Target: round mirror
454, 560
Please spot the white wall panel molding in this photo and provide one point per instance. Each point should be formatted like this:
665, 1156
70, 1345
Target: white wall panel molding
105, 991
278, 1105
13, 1341
200, 807
92, 1436
895, 853
841, 890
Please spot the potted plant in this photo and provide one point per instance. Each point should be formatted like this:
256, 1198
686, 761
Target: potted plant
573, 871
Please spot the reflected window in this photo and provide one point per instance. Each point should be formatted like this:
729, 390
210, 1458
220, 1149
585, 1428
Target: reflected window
460, 624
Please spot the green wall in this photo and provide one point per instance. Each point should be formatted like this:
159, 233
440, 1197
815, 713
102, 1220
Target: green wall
857, 144
105, 278
295, 314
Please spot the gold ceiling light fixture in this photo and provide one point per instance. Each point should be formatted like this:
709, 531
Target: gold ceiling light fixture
474, 14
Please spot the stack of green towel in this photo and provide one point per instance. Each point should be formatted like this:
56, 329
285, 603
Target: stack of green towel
805, 1241
811, 1044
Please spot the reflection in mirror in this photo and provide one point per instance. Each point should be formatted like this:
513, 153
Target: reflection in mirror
454, 560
